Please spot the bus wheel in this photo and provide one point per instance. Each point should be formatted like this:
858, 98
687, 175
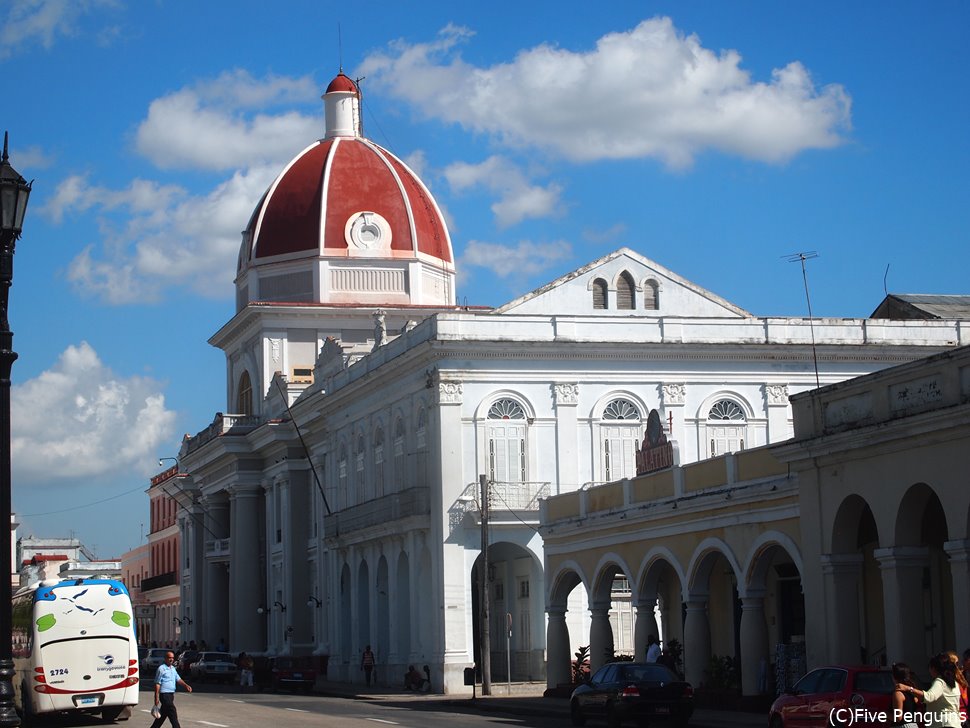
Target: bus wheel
110, 715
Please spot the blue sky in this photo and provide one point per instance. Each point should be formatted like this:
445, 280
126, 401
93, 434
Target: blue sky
714, 138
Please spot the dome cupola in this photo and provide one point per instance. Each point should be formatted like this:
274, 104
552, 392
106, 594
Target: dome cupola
346, 222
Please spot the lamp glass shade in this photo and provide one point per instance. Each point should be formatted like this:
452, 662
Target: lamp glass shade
14, 192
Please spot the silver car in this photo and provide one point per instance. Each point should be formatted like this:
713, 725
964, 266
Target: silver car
152, 659
214, 666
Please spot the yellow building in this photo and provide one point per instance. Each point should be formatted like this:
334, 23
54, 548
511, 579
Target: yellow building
850, 539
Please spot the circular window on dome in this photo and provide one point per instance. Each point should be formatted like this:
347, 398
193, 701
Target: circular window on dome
368, 231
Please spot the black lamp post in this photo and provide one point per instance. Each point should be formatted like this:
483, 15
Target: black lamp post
14, 191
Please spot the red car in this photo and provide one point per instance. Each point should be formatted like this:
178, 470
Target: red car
293, 673
836, 696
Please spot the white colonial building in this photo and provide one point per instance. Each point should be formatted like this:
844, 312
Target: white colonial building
335, 503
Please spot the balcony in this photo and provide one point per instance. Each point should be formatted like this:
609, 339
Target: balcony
380, 511
158, 581
217, 549
222, 425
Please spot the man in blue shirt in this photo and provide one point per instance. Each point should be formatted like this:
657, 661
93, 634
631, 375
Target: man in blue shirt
166, 680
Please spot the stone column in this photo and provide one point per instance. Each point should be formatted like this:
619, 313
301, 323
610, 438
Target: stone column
558, 659
776, 396
754, 643
244, 576
959, 553
841, 577
697, 639
902, 588
600, 636
566, 398
217, 603
645, 625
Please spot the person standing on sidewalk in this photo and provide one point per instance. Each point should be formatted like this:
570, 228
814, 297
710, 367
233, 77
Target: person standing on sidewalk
166, 680
367, 664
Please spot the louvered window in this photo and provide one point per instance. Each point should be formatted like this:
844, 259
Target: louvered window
599, 294
624, 292
399, 460
506, 442
620, 438
651, 296
379, 463
726, 427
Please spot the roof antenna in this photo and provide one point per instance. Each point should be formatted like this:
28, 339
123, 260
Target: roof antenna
802, 257
884, 277
340, 48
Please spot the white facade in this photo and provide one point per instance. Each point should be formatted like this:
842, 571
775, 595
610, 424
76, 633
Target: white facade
344, 504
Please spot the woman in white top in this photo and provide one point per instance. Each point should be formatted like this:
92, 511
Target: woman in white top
941, 701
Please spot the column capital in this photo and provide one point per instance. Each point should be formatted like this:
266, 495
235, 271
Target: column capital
674, 394
244, 490
902, 556
566, 394
958, 550
841, 563
556, 613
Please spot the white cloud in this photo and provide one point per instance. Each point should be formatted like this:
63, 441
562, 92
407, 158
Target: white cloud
518, 199
79, 419
156, 236
648, 92
525, 259
43, 21
165, 237
211, 126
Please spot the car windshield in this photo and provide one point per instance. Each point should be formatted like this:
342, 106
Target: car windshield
646, 673
216, 657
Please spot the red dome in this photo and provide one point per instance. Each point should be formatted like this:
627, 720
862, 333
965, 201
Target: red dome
342, 83
311, 207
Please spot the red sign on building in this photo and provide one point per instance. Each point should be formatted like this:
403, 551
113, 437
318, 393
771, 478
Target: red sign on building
656, 451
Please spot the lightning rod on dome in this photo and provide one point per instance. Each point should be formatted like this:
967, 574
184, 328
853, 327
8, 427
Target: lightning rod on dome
340, 49
802, 257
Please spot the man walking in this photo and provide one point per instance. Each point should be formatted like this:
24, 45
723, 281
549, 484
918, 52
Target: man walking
166, 680
367, 664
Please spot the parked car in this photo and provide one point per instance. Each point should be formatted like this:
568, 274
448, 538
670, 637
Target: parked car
185, 661
214, 666
641, 692
836, 695
292, 673
152, 659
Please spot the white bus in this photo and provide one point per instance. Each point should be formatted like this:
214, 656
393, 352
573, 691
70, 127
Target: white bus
74, 648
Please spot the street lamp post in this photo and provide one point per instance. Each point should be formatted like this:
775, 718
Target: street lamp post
14, 192
485, 645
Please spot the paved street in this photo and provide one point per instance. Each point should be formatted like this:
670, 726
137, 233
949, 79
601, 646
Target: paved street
217, 707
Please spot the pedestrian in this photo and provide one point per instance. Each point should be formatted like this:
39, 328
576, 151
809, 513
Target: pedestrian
904, 701
367, 664
942, 698
245, 672
653, 648
167, 679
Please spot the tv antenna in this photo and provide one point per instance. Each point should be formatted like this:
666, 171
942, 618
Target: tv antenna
801, 258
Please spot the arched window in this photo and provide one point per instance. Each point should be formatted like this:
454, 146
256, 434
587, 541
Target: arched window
625, 292
400, 462
726, 427
421, 444
620, 436
651, 296
343, 497
360, 484
244, 396
506, 442
599, 294
379, 463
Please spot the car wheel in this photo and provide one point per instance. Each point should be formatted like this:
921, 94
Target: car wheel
777, 722
613, 719
576, 714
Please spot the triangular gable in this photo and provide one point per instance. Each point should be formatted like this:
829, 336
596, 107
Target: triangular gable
572, 294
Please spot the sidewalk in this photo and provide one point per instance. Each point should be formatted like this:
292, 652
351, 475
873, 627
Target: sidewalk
526, 700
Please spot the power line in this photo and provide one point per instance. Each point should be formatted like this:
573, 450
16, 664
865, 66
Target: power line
85, 505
